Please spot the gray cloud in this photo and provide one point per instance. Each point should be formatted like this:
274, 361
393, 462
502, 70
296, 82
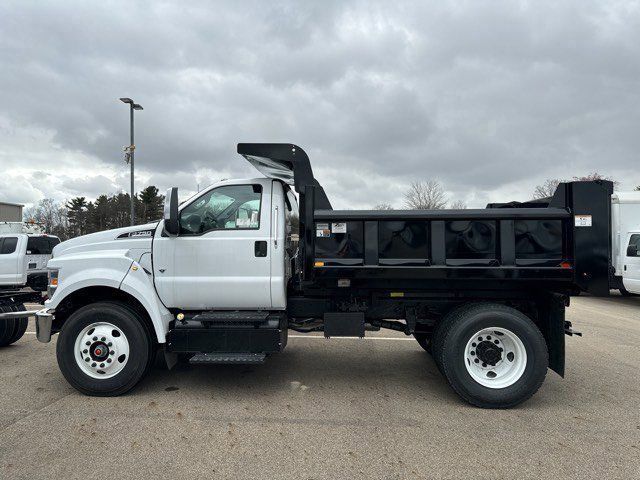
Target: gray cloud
489, 98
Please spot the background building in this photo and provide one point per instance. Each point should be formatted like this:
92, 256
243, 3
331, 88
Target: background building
10, 212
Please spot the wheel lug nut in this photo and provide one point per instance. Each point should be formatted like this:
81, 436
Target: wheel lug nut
472, 352
88, 343
103, 339
112, 352
93, 364
108, 360
109, 344
496, 342
484, 364
95, 339
102, 365
477, 361
87, 359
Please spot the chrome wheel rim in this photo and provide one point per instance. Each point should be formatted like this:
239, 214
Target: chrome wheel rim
101, 350
495, 357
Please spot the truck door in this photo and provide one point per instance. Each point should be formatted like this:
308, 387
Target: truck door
38, 252
10, 274
631, 269
221, 257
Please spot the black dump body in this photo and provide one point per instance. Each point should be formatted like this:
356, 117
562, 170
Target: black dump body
560, 245
407, 269
500, 248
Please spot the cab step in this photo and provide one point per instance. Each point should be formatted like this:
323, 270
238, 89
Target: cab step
231, 318
228, 358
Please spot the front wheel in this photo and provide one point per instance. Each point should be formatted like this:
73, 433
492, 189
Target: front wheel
104, 349
492, 355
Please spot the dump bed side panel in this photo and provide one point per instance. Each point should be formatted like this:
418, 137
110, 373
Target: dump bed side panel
564, 247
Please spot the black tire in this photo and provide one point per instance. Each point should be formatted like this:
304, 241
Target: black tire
459, 328
12, 330
436, 341
141, 349
21, 324
7, 328
424, 340
626, 293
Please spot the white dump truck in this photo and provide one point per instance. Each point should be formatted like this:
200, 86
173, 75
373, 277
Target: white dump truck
221, 279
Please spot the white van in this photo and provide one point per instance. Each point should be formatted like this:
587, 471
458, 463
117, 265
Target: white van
23, 259
625, 241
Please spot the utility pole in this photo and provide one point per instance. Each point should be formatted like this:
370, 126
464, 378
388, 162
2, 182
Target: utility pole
130, 152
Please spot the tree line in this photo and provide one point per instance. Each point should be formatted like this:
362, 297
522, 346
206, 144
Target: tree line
78, 216
430, 195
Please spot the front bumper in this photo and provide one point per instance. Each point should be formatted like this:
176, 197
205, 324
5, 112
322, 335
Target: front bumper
44, 320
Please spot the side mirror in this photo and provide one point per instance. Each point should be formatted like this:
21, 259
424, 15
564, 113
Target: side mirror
171, 224
632, 251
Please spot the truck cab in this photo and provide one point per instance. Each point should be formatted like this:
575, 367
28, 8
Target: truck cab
23, 259
231, 249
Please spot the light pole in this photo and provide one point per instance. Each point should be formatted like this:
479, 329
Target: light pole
130, 152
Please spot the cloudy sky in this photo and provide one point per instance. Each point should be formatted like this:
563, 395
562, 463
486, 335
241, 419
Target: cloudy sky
490, 98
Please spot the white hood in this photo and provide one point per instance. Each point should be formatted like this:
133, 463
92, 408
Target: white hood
137, 239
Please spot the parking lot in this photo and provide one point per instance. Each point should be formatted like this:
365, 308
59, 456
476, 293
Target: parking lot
340, 408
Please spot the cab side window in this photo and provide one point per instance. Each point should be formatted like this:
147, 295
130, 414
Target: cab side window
8, 245
634, 241
39, 246
232, 207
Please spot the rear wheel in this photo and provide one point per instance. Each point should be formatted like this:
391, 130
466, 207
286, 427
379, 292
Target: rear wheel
493, 356
12, 330
104, 349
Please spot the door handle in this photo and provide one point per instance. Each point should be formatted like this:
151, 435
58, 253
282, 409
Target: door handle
260, 248
275, 229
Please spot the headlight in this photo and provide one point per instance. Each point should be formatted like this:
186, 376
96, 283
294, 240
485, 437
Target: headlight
53, 281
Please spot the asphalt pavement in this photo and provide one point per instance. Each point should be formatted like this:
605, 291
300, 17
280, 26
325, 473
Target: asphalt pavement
331, 409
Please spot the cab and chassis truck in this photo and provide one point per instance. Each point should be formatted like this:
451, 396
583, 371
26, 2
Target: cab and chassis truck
223, 277
24, 253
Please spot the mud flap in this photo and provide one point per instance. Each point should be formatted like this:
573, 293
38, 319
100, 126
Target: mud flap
553, 326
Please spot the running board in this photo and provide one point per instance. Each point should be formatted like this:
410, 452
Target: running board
231, 318
227, 358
